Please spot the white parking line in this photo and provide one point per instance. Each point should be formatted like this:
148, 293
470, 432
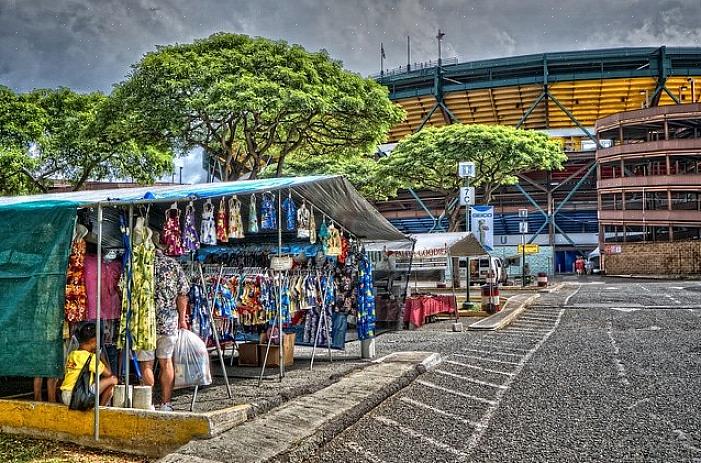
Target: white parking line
567, 300
487, 417
369, 456
417, 435
616, 351
503, 347
672, 299
491, 352
452, 416
517, 329
475, 367
476, 357
469, 380
539, 319
454, 392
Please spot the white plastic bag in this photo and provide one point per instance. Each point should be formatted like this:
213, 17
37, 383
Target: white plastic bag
191, 360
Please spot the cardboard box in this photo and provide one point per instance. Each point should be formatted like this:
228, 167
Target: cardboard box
248, 354
274, 354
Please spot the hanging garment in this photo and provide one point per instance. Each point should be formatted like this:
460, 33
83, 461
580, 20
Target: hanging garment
252, 215
365, 299
191, 239
268, 212
235, 220
324, 236
199, 313
222, 232
345, 247
111, 300
333, 241
289, 209
208, 233
142, 325
171, 232
312, 227
303, 221
76, 301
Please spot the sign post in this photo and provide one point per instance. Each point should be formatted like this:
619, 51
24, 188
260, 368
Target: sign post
466, 170
523, 229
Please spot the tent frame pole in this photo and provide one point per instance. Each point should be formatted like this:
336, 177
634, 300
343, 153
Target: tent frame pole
96, 427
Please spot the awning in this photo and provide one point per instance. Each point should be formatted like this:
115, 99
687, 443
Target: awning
458, 244
333, 195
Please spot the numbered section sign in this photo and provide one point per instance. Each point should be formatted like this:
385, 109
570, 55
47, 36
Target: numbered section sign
467, 196
466, 169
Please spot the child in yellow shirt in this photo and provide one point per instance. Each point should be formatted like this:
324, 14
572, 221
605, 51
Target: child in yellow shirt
76, 361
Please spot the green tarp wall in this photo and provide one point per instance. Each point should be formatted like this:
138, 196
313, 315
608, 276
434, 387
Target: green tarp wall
34, 248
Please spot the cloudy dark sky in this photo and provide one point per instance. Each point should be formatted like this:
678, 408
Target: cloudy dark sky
89, 44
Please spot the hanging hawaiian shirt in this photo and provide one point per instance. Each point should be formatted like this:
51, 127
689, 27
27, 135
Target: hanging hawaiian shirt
252, 215
312, 227
235, 220
222, 232
333, 242
324, 236
268, 213
365, 300
170, 282
290, 210
303, 221
208, 233
191, 239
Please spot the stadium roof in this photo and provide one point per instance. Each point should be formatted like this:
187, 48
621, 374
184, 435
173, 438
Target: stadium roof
588, 84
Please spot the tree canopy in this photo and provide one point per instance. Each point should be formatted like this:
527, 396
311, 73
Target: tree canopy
49, 135
429, 159
361, 170
251, 102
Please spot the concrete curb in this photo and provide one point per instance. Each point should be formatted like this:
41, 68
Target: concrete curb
501, 319
659, 277
318, 418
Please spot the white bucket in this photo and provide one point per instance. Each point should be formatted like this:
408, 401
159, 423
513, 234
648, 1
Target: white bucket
122, 396
143, 396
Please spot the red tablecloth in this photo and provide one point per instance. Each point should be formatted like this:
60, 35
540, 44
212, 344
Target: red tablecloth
417, 309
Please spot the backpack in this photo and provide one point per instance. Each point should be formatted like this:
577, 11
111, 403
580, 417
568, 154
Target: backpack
82, 398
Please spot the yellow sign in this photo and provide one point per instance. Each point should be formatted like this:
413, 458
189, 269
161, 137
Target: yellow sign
530, 249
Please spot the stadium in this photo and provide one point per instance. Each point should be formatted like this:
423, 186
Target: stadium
562, 94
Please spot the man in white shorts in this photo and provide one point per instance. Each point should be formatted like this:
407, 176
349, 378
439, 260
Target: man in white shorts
171, 288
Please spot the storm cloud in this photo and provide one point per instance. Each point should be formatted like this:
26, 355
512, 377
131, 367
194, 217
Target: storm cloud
90, 44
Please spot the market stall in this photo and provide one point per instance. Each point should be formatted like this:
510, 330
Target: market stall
428, 252
264, 257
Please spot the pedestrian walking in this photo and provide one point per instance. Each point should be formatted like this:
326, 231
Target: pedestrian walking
579, 266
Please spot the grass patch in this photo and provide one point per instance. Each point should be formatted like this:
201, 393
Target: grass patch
19, 449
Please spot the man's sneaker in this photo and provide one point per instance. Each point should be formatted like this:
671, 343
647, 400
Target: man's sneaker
165, 408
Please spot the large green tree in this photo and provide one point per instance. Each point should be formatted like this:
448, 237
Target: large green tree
21, 122
50, 135
428, 160
361, 170
251, 102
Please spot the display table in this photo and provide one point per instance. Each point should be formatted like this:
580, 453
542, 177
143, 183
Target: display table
417, 309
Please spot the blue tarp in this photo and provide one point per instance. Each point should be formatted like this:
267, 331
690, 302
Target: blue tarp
333, 195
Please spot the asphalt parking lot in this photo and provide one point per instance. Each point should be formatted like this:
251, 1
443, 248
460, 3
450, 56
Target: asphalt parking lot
607, 370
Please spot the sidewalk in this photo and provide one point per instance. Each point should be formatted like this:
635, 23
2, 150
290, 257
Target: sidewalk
305, 423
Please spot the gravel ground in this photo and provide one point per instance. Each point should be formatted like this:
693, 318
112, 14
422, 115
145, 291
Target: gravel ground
604, 378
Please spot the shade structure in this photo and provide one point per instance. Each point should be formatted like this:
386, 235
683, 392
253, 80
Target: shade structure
456, 244
333, 195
